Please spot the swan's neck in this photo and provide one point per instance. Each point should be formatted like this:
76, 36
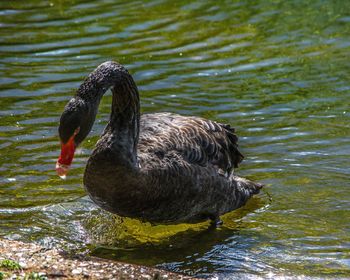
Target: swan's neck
121, 134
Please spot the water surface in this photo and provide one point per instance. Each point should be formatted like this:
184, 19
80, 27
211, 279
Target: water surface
278, 71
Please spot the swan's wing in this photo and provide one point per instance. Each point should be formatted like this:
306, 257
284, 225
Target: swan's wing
184, 159
197, 140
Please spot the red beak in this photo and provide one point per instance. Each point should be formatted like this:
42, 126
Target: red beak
66, 157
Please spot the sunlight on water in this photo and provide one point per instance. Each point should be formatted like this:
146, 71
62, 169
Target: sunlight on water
278, 71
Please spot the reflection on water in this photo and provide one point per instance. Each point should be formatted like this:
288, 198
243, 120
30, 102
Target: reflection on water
276, 70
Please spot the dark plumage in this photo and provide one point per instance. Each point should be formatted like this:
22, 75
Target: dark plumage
162, 167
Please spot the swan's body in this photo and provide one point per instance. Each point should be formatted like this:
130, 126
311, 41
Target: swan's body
161, 167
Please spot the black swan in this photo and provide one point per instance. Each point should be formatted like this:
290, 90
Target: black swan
162, 167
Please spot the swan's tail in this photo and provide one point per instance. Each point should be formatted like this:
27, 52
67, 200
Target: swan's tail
244, 189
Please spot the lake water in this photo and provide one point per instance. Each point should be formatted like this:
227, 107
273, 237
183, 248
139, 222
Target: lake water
278, 71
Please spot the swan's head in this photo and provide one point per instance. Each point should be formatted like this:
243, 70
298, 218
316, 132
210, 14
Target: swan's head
75, 125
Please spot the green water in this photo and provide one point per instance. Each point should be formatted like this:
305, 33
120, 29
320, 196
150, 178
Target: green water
278, 71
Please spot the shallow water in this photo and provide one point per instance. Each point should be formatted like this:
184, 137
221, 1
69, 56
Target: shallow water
278, 71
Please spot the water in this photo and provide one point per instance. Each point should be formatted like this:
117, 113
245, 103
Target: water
276, 70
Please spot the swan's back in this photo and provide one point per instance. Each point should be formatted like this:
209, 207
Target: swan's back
198, 141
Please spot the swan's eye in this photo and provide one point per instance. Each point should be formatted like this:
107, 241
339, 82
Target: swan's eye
76, 131
69, 125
